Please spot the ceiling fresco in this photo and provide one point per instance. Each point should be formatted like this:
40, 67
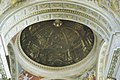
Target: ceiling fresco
57, 43
25, 75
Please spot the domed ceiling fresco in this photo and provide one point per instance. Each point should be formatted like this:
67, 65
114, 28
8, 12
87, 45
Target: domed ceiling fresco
57, 43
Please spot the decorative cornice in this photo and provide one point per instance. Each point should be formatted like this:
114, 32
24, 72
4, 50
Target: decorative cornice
20, 19
112, 7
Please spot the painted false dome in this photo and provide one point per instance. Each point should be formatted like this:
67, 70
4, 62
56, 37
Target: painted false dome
57, 43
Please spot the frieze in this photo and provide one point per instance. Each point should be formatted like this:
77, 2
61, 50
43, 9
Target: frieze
56, 5
103, 20
68, 11
101, 31
69, 16
19, 15
45, 16
93, 25
81, 8
82, 19
44, 6
47, 6
69, 6
94, 14
57, 15
48, 16
31, 9
114, 61
32, 19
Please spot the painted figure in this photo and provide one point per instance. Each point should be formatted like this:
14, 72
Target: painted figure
26, 77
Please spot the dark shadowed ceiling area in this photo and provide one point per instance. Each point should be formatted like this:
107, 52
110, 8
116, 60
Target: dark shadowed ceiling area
57, 43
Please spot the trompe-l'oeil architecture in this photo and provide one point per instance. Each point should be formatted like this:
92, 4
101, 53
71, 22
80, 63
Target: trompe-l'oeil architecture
59, 39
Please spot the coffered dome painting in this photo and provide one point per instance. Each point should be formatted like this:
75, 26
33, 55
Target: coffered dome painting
57, 43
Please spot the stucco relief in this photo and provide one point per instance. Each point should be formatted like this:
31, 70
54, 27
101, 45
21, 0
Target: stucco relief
113, 63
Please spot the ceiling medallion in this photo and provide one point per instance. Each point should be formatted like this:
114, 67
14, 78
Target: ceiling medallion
57, 43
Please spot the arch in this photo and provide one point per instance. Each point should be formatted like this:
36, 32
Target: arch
33, 13
101, 62
75, 10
